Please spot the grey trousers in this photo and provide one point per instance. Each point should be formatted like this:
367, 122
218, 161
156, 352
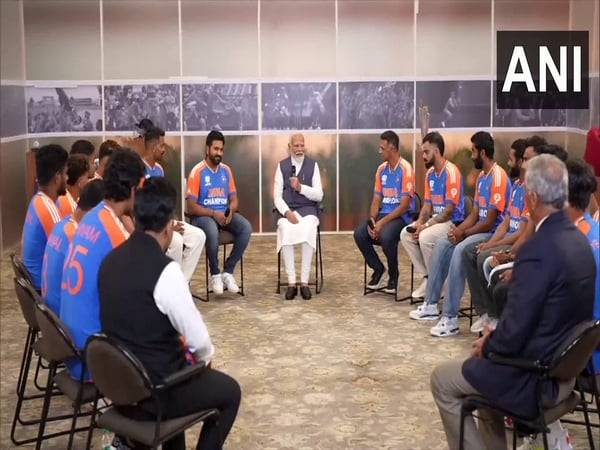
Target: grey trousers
448, 387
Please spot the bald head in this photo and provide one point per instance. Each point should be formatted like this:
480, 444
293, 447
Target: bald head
296, 145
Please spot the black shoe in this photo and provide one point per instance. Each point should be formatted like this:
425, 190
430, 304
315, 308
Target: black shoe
305, 291
291, 292
376, 281
391, 286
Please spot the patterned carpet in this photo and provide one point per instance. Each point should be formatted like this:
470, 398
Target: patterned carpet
341, 371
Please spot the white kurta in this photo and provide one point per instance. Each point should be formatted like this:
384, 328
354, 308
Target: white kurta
306, 229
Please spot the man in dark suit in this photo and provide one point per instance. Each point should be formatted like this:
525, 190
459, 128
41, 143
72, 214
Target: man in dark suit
552, 291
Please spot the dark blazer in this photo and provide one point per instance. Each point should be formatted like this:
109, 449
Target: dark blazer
552, 290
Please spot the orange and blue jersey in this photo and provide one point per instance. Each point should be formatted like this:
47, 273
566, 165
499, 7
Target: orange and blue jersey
54, 260
444, 189
66, 205
591, 229
392, 184
42, 215
97, 234
517, 208
492, 192
154, 171
211, 189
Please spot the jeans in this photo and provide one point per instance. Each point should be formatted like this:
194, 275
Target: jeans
389, 238
480, 293
447, 261
241, 230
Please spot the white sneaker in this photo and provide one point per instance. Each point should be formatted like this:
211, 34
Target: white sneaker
230, 283
421, 290
447, 326
425, 311
216, 284
479, 325
559, 440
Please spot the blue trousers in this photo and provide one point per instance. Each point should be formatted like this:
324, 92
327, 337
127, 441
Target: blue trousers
241, 230
447, 262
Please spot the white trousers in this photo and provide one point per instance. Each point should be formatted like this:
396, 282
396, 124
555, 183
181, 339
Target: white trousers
186, 248
287, 252
420, 251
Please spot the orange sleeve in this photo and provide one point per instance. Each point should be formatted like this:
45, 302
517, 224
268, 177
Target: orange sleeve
453, 184
378, 187
408, 179
193, 184
498, 191
63, 206
232, 188
48, 215
427, 194
115, 233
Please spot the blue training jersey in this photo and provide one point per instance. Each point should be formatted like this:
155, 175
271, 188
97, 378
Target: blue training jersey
392, 184
443, 189
492, 192
98, 233
42, 215
211, 188
517, 208
154, 171
54, 261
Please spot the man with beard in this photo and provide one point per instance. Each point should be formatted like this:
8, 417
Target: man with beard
443, 206
297, 192
78, 168
42, 213
392, 207
515, 221
97, 234
212, 200
187, 241
491, 199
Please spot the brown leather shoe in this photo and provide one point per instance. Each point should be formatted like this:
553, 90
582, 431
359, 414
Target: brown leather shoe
291, 292
305, 291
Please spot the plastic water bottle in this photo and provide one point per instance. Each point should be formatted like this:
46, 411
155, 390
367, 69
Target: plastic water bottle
106, 442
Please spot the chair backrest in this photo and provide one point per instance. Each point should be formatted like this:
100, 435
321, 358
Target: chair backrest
57, 343
574, 354
27, 297
468, 205
116, 372
418, 206
19, 268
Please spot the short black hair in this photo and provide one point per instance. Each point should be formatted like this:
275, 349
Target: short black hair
82, 147
152, 134
107, 148
123, 172
77, 166
433, 137
49, 160
484, 141
536, 142
519, 147
144, 125
553, 149
391, 138
214, 135
91, 194
154, 204
582, 183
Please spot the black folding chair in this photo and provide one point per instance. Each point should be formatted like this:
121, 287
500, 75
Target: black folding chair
121, 377
568, 362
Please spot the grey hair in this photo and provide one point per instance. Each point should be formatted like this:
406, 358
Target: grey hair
547, 176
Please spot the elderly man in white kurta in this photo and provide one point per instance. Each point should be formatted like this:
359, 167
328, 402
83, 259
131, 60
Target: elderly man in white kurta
297, 192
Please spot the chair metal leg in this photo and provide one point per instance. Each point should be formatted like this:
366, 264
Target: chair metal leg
92, 423
545, 439
586, 415
278, 290
320, 288
206, 277
22, 382
514, 443
46, 406
36, 376
461, 436
242, 276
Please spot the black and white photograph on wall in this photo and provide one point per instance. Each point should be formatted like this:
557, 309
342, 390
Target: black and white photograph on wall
126, 105
455, 104
64, 109
299, 106
224, 107
376, 105
540, 115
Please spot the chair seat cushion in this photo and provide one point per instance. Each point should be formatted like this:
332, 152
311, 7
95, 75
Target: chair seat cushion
70, 387
225, 237
143, 431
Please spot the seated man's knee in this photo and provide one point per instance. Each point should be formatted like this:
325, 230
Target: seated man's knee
360, 232
176, 241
